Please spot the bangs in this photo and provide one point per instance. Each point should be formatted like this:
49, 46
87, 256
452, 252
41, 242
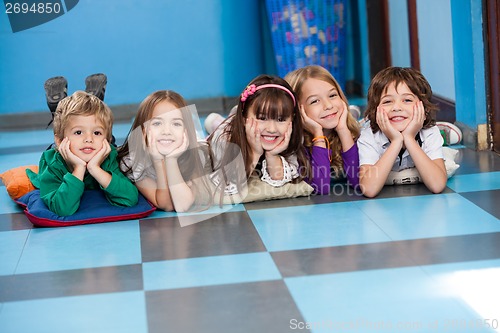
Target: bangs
398, 77
273, 104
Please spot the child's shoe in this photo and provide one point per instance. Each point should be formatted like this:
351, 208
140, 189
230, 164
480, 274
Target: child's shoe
56, 88
451, 134
355, 111
95, 84
213, 121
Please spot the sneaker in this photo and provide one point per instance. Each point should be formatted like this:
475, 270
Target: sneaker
451, 133
355, 111
213, 121
95, 84
56, 88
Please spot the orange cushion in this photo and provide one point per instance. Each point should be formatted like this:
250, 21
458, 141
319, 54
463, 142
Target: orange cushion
17, 182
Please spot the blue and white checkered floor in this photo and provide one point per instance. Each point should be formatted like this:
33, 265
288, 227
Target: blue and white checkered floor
405, 261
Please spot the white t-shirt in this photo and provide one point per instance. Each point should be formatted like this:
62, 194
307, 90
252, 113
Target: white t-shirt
139, 169
371, 146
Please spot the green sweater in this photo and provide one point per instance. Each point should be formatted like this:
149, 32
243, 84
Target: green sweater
61, 191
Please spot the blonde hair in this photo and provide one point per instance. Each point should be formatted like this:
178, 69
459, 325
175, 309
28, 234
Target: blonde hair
81, 103
296, 79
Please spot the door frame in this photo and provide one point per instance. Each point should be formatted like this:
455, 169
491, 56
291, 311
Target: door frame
492, 62
379, 44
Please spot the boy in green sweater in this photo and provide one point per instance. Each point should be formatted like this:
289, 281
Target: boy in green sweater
83, 159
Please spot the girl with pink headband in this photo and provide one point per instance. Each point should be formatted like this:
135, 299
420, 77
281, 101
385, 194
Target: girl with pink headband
266, 127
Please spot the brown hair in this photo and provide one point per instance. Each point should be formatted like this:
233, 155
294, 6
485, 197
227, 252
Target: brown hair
81, 103
190, 162
272, 103
415, 81
146, 108
296, 79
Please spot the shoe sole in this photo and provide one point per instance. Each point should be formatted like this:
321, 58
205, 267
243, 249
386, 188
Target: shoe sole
95, 84
56, 89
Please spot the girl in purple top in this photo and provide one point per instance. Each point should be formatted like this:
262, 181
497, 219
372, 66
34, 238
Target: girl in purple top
330, 130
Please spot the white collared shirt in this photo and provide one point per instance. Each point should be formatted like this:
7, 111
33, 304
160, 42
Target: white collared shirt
372, 146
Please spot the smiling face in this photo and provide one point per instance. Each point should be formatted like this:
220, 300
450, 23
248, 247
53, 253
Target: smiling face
86, 135
322, 102
272, 131
166, 127
398, 103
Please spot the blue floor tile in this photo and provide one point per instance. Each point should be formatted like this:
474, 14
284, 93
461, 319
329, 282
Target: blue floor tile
474, 284
96, 245
7, 205
190, 218
406, 262
393, 300
110, 313
428, 216
11, 247
475, 182
304, 227
206, 271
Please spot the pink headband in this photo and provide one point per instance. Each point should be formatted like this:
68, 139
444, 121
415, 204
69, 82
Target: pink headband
251, 89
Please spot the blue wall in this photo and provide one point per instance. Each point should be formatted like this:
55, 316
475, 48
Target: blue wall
469, 62
451, 51
213, 48
436, 45
435, 42
399, 33
194, 47
200, 48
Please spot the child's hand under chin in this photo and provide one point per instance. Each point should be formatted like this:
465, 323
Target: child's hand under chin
101, 155
385, 126
310, 125
416, 123
342, 124
283, 145
71, 159
180, 150
152, 149
253, 136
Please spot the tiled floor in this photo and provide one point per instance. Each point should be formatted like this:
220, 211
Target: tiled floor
407, 261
